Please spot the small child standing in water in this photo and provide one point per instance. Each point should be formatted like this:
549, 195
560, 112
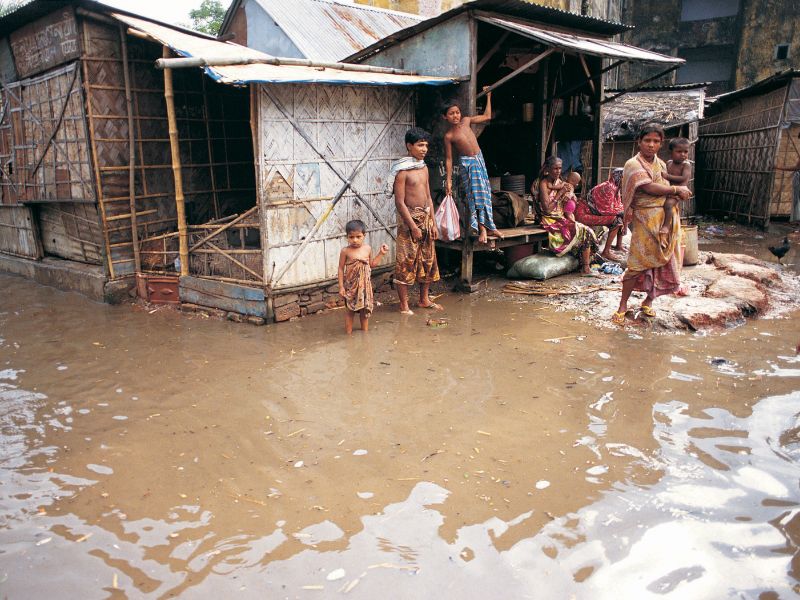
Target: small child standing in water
355, 270
679, 172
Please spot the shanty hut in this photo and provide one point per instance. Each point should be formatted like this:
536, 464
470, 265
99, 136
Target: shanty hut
86, 170
239, 180
546, 66
678, 108
745, 134
322, 30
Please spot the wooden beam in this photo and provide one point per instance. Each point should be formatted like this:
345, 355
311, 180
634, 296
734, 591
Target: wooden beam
222, 228
174, 145
587, 72
516, 72
491, 52
641, 83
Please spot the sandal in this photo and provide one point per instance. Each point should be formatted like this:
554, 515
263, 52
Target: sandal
618, 318
648, 311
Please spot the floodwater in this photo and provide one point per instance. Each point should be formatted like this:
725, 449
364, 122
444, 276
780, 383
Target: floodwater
162, 455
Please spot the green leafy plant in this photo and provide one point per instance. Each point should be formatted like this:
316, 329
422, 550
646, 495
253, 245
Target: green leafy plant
208, 18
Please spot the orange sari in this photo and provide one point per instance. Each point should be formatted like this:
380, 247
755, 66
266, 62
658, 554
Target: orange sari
656, 270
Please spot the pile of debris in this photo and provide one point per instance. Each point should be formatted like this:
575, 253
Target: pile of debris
721, 291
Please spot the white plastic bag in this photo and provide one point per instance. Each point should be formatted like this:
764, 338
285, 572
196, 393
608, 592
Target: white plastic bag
447, 221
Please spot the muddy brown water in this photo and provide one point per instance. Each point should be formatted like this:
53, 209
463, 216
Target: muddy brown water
162, 455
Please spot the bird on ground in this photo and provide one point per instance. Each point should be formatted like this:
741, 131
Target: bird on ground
780, 251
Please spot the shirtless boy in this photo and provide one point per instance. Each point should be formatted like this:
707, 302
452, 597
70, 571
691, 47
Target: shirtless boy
460, 137
416, 229
679, 172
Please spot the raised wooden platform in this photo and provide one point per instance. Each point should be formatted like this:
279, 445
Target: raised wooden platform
515, 236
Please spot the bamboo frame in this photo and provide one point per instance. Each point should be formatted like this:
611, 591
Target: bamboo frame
180, 206
137, 260
224, 227
96, 163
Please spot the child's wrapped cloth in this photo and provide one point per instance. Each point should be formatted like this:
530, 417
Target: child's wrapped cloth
358, 286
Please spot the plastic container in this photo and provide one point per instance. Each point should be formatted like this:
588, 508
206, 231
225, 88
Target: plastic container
691, 255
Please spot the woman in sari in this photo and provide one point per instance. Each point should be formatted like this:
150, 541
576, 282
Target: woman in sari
565, 235
652, 269
603, 208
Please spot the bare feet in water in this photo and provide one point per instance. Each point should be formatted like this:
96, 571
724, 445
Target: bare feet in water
430, 304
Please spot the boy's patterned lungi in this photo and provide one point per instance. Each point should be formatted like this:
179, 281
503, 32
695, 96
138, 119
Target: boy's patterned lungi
479, 193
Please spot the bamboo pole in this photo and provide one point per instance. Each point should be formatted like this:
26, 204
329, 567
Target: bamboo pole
96, 161
180, 206
214, 197
222, 228
137, 259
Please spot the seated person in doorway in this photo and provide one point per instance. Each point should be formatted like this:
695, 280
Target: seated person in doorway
679, 172
460, 137
416, 229
603, 208
564, 235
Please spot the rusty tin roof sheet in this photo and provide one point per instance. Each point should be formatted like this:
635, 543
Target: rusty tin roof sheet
187, 44
582, 44
623, 117
329, 30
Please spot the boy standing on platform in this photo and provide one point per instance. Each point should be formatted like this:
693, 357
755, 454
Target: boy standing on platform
473, 168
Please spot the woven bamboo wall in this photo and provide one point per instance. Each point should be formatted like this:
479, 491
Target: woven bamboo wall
43, 140
215, 142
735, 157
788, 156
352, 126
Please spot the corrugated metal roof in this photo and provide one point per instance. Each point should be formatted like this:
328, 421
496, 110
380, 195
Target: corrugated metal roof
582, 44
329, 30
759, 87
187, 44
623, 117
519, 9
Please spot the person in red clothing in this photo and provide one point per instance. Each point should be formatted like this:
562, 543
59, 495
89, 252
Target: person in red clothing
603, 207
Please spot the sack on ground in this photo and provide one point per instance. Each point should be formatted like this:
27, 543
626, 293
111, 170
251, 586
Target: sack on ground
446, 217
542, 266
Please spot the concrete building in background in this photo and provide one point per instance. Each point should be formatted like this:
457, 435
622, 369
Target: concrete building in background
731, 43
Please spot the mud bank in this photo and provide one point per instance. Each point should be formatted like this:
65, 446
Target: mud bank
722, 291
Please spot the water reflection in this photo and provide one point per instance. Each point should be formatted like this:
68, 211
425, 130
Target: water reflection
722, 521
374, 467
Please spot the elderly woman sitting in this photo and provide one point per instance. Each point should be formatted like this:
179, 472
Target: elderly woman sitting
603, 208
565, 235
